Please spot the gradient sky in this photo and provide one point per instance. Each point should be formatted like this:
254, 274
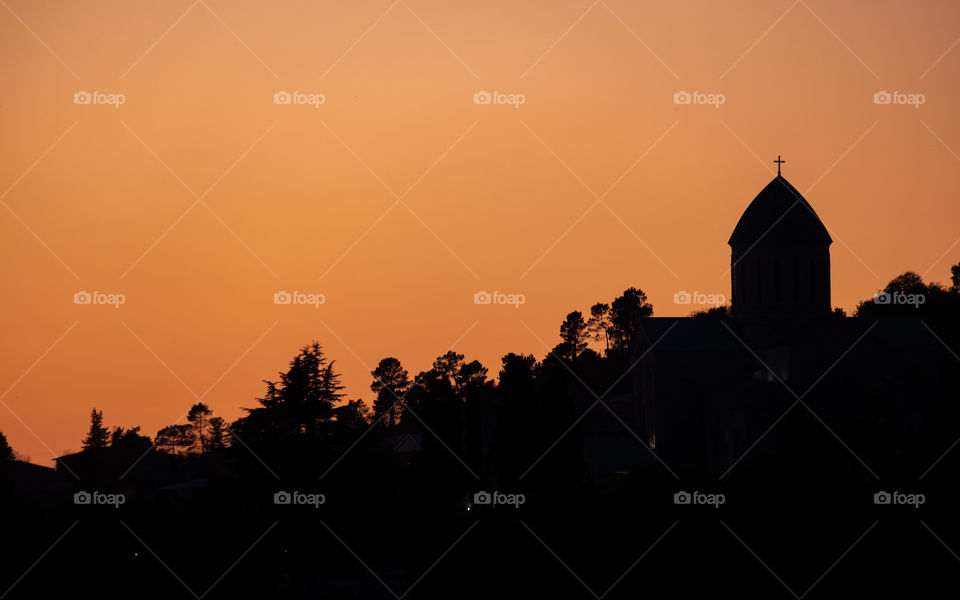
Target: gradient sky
399, 197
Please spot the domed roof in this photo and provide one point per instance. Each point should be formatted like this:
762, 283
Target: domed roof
779, 215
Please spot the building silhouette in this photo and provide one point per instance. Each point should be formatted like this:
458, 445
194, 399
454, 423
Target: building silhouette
706, 390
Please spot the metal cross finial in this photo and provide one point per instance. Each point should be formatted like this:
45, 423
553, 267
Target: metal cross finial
779, 162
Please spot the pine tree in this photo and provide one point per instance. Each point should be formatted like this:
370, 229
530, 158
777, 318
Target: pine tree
98, 436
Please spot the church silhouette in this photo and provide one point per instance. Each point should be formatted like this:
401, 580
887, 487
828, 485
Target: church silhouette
710, 390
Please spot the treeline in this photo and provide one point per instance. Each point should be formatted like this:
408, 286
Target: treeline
534, 400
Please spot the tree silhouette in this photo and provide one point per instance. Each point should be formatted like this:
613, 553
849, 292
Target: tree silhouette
573, 331
129, 440
353, 415
300, 403
199, 418
625, 314
98, 436
955, 277
219, 434
598, 326
6, 452
390, 383
176, 439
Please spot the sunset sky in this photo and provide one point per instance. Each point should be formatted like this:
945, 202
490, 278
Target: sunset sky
398, 198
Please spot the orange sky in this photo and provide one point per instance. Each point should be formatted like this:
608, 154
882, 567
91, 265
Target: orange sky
491, 197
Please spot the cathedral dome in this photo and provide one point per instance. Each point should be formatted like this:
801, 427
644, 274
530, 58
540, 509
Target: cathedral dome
779, 215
